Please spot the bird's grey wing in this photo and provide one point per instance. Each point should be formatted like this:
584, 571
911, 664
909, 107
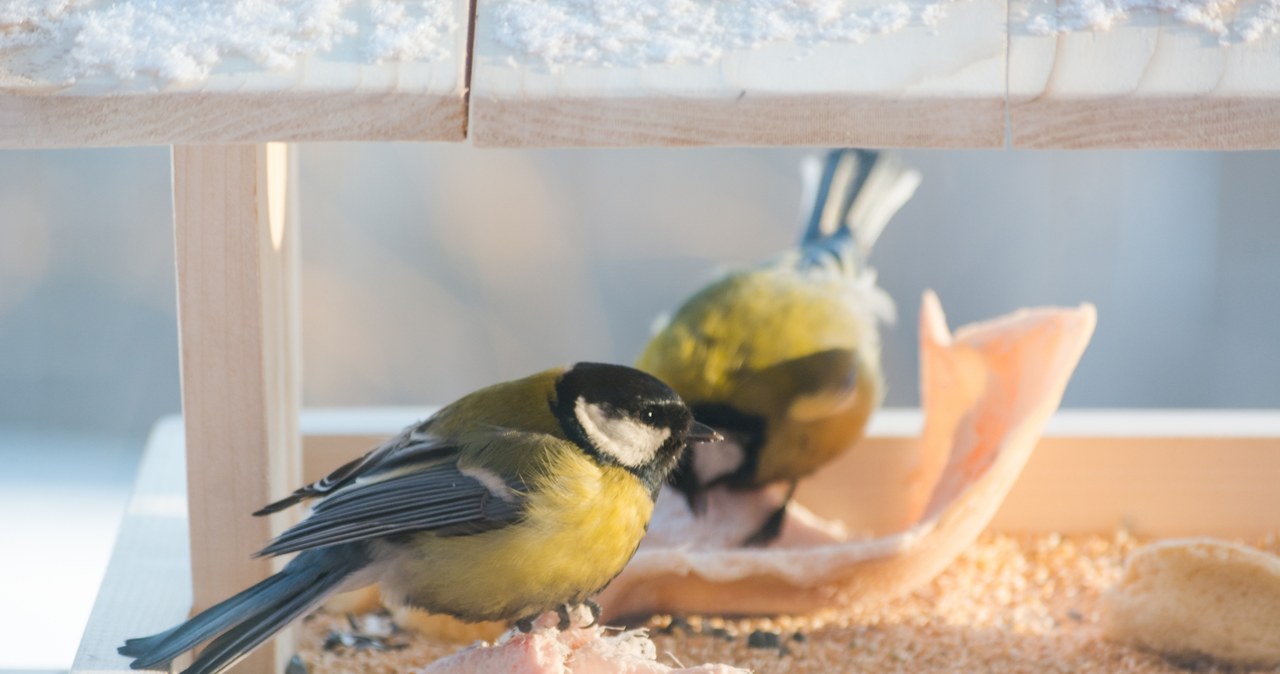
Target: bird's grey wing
803, 389
438, 496
414, 443
806, 388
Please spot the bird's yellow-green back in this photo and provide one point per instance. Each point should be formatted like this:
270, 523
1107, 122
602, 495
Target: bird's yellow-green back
749, 322
519, 404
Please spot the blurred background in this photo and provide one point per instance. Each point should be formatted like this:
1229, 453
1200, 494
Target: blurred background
429, 270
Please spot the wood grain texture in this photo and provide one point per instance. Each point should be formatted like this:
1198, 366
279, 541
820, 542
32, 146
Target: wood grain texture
333, 96
921, 86
1149, 82
147, 585
1160, 472
1152, 486
237, 253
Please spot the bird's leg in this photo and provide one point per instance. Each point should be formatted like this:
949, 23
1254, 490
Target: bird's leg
595, 612
565, 614
525, 624
772, 526
563, 611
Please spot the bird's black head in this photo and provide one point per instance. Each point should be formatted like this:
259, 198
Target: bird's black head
624, 417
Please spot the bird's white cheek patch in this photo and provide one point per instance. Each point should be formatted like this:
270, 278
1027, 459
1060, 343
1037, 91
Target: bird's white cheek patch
628, 441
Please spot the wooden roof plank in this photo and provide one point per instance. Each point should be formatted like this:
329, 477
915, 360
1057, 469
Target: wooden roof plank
1150, 81
921, 86
334, 95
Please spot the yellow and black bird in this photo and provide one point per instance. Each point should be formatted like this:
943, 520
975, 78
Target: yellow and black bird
783, 358
521, 498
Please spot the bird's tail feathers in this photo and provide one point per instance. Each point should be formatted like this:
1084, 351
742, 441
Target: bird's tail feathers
249, 618
856, 193
160, 649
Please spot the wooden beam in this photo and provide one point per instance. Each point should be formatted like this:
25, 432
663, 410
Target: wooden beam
1148, 82
339, 95
946, 77
927, 86
1160, 472
237, 251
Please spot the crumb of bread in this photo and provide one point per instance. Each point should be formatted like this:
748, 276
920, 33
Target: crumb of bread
1199, 598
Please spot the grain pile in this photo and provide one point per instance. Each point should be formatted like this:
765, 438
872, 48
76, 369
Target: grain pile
1008, 605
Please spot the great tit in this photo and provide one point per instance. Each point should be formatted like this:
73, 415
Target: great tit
521, 498
784, 358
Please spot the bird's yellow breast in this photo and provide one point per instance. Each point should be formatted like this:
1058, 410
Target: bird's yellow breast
582, 525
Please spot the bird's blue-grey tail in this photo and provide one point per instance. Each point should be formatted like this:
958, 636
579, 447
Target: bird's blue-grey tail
247, 619
858, 191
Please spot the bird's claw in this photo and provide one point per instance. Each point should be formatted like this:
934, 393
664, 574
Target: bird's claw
565, 614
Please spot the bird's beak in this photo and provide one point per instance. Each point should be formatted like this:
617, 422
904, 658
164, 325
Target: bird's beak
700, 432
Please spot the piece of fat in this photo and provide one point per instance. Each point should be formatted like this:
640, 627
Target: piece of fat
987, 391
588, 650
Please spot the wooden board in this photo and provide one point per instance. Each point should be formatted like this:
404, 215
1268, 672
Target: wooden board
939, 86
336, 95
1157, 473
147, 585
1160, 472
1149, 82
237, 253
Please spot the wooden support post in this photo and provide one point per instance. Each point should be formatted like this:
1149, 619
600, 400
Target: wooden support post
237, 258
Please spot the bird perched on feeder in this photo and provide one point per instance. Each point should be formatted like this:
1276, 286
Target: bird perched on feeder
521, 498
783, 358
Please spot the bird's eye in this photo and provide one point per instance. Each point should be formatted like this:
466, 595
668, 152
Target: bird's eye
650, 413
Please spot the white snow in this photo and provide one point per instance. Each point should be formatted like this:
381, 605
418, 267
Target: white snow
410, 31
182, 41
641, 32
1231, 21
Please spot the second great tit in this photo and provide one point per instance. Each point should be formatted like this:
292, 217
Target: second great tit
784, 358
521, 498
